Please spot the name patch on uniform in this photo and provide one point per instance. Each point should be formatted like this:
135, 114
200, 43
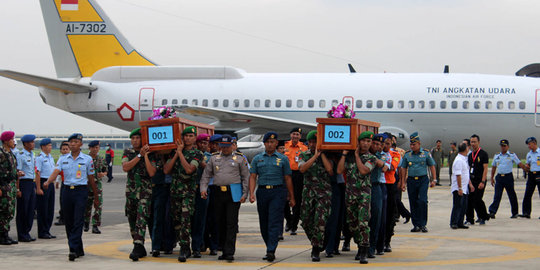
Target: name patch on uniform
65, 162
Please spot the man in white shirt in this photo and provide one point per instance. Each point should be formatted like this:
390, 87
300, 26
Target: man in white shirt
460, 187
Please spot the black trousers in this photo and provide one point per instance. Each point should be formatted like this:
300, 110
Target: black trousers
391, 211
532, 182
298, 185
74, 206
226, 214
476, 203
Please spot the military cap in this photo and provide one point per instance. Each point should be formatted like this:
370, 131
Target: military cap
366, 135
378, 137
296, 129
530, 139
190, 129
312, 135
203, 137
215, 138
270, 135
414, 137
504, 142
7, 135
281, 143
77, 136
28, 138
134, 132
225, 141
93, 143
45, 141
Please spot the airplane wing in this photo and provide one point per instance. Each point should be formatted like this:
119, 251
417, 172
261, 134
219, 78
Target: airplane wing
53, 84
241, 120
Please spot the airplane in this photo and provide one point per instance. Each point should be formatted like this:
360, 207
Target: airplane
103, 78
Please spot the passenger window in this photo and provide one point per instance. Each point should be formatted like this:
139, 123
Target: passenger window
246, 103
443, 104
454, 104
411, 104
499, 105
489, 105
401, 104
335, 102
174, 101
215, 103
267, 103
205, 102
299, 103
236, 103
257, 103
390, 104
164, 102
522, 105
288, 103
358, 104
511, 105
421, 104
379, 103
347, 102
369, 104
311, 103
184, 101
465, 104
225, 103
278, 103
322, 103
477, 104
432, 104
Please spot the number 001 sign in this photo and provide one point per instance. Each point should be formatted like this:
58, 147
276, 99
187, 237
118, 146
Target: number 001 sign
163, 134
337, 134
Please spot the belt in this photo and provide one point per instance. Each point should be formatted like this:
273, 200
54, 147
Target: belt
504, 174
221, 188
417, 177
270, 186
27, 180
533, 172
75, 187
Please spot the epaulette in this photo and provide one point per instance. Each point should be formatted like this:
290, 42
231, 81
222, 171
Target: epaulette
511, 153
239, 153
215, 153
407, 151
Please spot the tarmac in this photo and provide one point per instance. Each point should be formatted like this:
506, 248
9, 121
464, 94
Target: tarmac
502, 243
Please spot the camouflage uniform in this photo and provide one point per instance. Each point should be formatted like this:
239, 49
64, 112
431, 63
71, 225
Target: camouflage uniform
316, 199
358, 198
8, 177
183, 195
138, 197
99, 167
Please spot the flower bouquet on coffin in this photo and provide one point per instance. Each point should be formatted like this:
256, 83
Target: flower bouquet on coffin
341, 111
162, 113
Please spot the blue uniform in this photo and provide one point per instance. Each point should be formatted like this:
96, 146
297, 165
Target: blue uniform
504, 180
45, 203
533, 160
26, 204
417, 184
75, 189
271, 195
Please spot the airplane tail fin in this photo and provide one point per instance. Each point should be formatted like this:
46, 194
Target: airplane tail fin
83, 39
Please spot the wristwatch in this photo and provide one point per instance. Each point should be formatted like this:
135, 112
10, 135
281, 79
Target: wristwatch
139, 155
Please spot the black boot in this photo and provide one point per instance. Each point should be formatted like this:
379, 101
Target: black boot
363, 255
3, 239
13, 242
95, 230
134, 255
141, 250
315, 252
346, 245
183, 254
86, 226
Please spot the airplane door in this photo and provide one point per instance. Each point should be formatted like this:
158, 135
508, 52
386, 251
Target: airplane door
537, 108
146, 100
348, 100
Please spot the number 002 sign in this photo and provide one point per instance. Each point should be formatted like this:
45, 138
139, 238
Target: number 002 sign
337, 134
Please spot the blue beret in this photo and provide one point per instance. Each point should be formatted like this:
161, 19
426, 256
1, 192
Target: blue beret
45, 141
28, 138
226, 140
530, 139
215, 138
270, 135
414, 137
93, 143
77, 136
378, 138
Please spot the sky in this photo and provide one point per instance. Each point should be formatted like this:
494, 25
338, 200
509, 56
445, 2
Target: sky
401, 36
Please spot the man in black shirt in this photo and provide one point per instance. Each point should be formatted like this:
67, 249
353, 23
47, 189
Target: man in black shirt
478, 163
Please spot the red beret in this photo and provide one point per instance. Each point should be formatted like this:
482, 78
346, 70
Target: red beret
7, 135
203, 137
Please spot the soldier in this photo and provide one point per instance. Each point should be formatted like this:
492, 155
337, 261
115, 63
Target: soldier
138, 192
183, 168
211, 238
357, 167
316, 195
452, 154
533, 169
437, 153
230, 173
378, 194
293, 148
78, 170
274, 172
45, 198
109, 160
100, 167
201, 204
413, 174
390, 177
64, 150
26, 189
8, 189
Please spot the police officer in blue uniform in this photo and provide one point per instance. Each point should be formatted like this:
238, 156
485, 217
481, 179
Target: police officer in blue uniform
413, 173
44, 198
533, 167
274, 172
78, 171
503, 163
26, 189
